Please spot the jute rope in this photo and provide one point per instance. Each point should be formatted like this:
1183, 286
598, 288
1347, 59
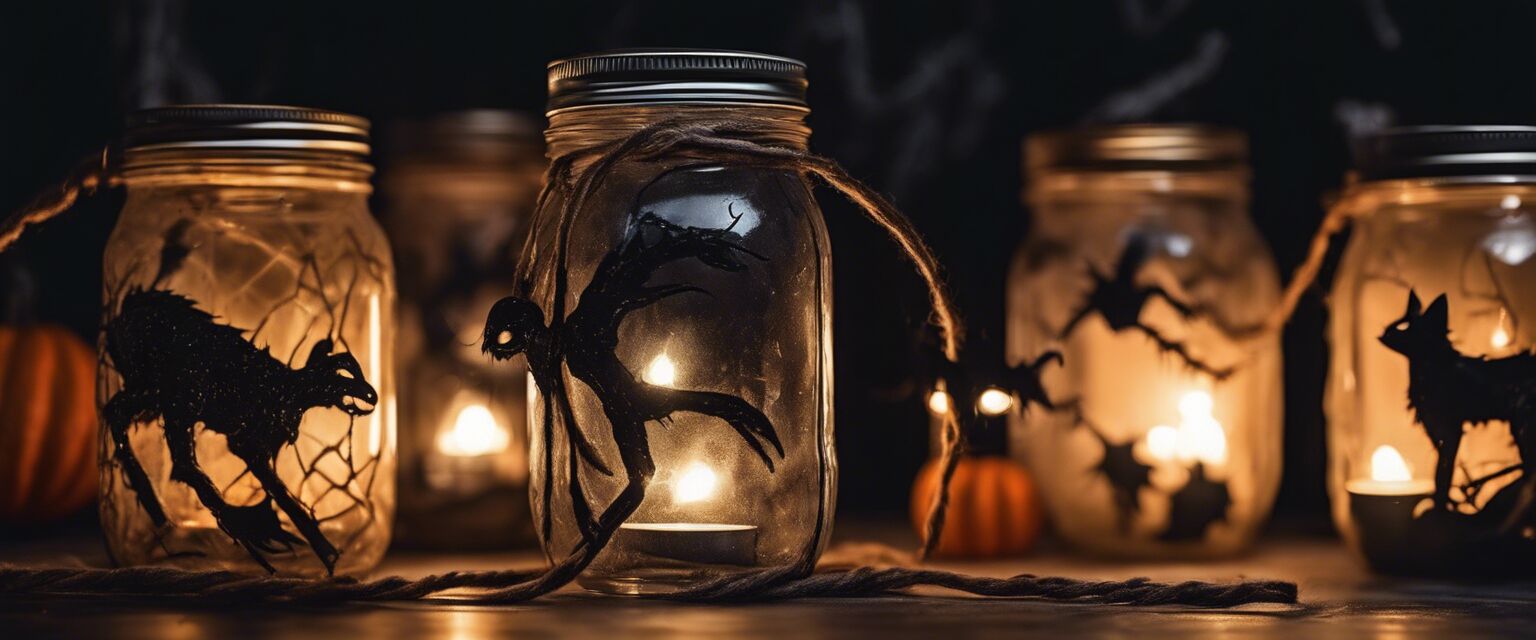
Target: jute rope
726, 141
166, 584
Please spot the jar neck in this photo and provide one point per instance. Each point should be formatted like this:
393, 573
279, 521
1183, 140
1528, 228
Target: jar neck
1462, 194
573, 130
295, 169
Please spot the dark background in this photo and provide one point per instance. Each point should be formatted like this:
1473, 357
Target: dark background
928, 101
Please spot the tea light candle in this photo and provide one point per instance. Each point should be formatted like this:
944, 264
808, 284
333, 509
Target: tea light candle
1383, 509
694, 542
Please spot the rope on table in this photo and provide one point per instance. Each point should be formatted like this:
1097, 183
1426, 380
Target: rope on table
160, 583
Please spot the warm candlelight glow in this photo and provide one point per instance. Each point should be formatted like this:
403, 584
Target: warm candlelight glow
695, 484
474, 433
1198, 438
938, 402
994, 402
661, 371
1500, 337
1388, 465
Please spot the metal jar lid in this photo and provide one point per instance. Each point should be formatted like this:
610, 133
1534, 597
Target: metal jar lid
1136, 147
675, 76
246, 127
475, 136
1446, 151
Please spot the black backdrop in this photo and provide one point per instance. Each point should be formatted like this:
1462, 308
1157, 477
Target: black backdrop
928, 101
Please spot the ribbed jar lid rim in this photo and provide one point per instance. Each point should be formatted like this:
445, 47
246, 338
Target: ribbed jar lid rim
245, 127
675, 76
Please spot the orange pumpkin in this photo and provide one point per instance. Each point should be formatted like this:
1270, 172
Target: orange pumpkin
47, 423
993, 508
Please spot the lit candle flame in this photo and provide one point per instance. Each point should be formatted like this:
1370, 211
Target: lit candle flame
661, 372
1198, 438
1500, 337
1388, 465
994, 402
696, 483
938, 402
474, 433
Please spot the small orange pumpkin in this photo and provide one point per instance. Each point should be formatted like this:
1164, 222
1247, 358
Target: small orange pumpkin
47, 423
993, 508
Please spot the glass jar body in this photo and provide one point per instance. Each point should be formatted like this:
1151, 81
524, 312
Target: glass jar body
697, 316
246, 379
1165, 436
1430, 377
458, 226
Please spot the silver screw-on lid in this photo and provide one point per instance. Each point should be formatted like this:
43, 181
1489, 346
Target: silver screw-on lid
673, 76
245, 126
1446, 151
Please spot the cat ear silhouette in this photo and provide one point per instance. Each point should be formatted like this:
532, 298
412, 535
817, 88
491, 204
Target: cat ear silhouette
320, 350
1414, 306
1436, 317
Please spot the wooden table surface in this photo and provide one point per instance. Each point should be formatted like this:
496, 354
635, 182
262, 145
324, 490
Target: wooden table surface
1339, 599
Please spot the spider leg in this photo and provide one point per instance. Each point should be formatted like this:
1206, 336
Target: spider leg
1182, 352
1184, 310
751, 424
573, 432
1082, 314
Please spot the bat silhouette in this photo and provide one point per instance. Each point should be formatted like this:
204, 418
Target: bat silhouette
1119, 300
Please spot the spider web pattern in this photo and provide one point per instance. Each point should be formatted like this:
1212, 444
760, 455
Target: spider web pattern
334, 480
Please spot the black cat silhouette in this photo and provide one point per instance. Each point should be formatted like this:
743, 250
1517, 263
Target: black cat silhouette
180, 365
1120, 300
1448, 390
585, 342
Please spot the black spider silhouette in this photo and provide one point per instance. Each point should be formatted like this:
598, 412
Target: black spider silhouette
1120, 300
180, 365
585, 343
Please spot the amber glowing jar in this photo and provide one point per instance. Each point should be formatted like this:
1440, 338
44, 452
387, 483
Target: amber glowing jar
1432, 380
458, 192
1144, 272
246, 378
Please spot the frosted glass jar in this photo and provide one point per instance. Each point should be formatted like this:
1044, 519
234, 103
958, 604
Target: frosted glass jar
1143, 270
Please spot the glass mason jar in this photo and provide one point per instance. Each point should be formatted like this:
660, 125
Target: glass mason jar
698, 342
246, 383
1144, 272
1432, 379
458, 194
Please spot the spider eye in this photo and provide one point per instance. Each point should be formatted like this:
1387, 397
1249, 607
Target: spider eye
1401, 326
345, 373
504, 337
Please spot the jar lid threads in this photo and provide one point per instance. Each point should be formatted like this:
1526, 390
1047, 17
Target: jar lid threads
675, 76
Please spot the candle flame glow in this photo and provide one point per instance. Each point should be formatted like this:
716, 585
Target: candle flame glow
474, 433
661, 372
696, 483
994, 402
1500, 337
938, 402
1198, 438
1388, 465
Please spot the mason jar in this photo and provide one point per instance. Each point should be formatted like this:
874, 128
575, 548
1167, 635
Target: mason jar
246, 374
696, 323
458, 192
1432, 383
1162, 435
